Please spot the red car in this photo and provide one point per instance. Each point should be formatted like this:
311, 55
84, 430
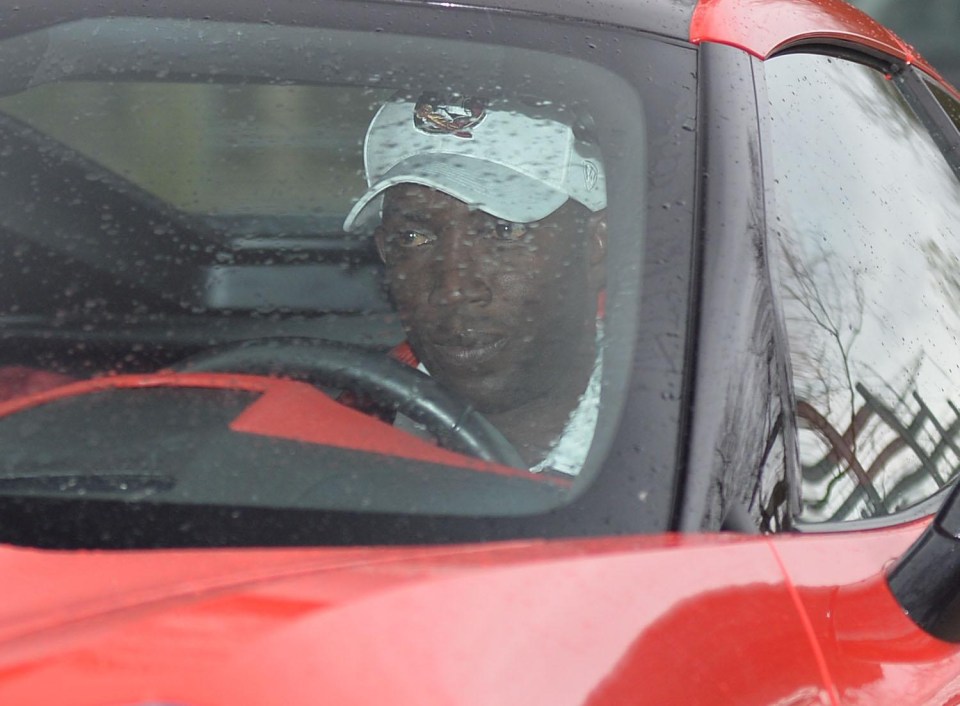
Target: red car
492, 352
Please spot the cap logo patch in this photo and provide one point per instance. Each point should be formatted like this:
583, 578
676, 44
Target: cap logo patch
434, 117
591, 175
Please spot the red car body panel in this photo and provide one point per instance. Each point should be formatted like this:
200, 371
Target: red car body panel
669, 619
763, 27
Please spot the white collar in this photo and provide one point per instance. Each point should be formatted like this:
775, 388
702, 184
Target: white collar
569, 450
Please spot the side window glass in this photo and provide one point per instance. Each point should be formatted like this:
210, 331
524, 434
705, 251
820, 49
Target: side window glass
864, 243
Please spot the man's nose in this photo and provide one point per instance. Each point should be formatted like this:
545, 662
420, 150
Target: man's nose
459, 272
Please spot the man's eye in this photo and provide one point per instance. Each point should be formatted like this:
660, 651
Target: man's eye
412, 238
506, 230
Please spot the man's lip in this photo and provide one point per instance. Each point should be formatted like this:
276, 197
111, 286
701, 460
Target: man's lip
469, 350
466, 338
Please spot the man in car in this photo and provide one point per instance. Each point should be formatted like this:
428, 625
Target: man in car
489, 218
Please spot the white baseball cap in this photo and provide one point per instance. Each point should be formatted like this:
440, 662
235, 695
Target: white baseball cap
515, 162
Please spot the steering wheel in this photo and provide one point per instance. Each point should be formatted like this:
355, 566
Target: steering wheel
455, 424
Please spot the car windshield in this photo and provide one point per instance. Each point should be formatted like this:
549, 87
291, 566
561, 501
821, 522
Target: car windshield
335, 271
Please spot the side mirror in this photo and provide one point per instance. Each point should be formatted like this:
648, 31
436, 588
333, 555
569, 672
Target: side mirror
926, 579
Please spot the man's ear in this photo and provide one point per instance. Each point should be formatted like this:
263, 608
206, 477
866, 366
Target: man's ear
380, 238
597, 247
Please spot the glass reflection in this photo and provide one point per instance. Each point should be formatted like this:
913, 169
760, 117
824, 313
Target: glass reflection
866, 208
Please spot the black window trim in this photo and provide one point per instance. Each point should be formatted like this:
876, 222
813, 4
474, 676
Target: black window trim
917, 88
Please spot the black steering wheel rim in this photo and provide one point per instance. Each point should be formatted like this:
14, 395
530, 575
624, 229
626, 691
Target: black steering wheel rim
406, 390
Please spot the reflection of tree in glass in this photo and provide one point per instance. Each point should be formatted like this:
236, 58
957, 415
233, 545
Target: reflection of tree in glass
873, 350
816, 284
824, 307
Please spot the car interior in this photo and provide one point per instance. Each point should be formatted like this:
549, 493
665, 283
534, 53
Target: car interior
186, 202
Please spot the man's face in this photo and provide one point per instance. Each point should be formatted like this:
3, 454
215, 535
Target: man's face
500, 313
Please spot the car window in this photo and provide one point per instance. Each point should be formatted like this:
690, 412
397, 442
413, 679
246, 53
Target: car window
447, 262
864, 244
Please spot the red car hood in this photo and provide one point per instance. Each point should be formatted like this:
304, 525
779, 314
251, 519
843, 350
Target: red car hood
562, 622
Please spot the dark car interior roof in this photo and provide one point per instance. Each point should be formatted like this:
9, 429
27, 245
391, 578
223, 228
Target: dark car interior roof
670, 18
666, 17
758, 27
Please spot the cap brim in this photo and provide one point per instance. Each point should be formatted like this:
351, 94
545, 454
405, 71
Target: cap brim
493, 188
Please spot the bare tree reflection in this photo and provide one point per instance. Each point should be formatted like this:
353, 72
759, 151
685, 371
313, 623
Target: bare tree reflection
892, 446
816, 285
867, 331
